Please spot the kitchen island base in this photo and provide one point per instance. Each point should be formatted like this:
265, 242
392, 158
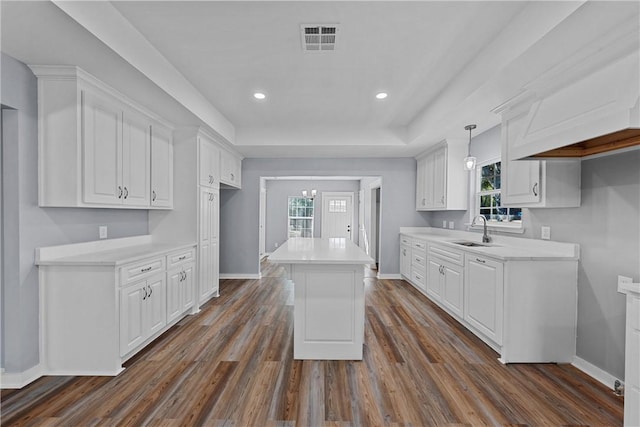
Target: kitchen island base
329, 311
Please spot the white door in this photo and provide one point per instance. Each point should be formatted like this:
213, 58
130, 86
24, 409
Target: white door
439, 178
263, 217
161, 168
188, 298
337, 215
132, 325
156, 304
174, 297
205, 158
484, 297
136, 164
102, 147
520, 182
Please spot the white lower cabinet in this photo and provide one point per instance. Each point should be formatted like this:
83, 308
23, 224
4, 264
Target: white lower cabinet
100, 310
523, 308
405, 261
484, 296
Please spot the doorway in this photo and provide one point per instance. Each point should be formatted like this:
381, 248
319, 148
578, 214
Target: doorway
375, 226
337, 215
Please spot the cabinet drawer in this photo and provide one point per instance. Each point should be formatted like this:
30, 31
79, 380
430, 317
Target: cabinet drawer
419, 259
180, 257
404, 240
418, 277
419, 244
447, 254
140, 269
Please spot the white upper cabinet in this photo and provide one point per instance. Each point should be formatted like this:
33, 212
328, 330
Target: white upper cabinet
536, 183
441, 181
161, 167
102, 142
230, 169
95, 145
209, 162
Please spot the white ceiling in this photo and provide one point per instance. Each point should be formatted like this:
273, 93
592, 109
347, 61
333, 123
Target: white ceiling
444, 64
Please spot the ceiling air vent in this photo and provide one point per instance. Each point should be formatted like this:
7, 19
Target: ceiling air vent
318, 37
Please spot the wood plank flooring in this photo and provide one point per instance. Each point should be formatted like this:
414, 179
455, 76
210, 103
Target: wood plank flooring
231, 365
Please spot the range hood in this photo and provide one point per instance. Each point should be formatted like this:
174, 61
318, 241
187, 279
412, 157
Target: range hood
588, 105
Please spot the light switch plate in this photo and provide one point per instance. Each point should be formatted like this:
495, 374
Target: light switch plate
451, 225
545, 232
102, 231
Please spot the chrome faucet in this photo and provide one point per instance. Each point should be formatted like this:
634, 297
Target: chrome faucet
485, 235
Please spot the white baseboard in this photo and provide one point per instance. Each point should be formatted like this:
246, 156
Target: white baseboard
596, 373
20, 379
389, 276
241, 276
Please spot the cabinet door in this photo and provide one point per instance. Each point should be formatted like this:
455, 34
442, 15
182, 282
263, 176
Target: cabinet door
136, 160
188, 294
215, 213
484, 297
405, 261
421, 195
175, 280
205, 215
132, 316
215, 268
156, 304
520, 182
230, 168
208, 163
433, 279
452, 288
439, 173
205, 271
102, 148
161, 167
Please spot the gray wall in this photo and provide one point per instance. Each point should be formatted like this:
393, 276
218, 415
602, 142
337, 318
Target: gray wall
27, 226
239, 209
607, 228
278, 193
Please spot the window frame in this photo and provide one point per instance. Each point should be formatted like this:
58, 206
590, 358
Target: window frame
512, 226
311, 218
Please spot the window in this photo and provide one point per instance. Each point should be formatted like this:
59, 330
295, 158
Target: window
488, 200
300, 217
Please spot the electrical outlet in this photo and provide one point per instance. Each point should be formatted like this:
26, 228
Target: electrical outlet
451, 225
275, 245
102, 231
623, 280
545, 232
444, 223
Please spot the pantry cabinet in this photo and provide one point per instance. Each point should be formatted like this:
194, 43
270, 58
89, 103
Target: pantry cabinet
197, 192
441, 181
95, 145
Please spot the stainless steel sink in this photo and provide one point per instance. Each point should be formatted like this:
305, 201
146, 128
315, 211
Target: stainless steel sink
468, 243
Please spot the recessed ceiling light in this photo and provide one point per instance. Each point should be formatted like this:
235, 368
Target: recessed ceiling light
259, 95
381, 95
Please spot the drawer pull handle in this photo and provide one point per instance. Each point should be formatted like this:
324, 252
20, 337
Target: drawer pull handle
480, 260
145, 269
182, 257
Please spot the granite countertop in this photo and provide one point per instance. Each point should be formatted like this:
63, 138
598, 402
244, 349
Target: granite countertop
299, 250
502, 248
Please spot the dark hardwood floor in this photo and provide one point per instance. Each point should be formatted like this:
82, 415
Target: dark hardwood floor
232, 365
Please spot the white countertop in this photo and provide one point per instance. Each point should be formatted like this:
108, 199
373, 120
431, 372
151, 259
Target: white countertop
111, 252
299, 250
502, 248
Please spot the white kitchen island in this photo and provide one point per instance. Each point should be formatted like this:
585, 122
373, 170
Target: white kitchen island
328, 278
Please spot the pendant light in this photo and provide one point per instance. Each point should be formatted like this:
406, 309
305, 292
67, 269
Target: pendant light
469, 161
